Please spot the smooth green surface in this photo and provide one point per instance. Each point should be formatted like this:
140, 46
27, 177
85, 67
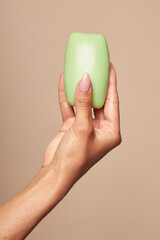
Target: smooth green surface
87, 52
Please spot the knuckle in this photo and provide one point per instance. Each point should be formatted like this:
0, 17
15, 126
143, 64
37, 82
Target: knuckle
85, 130
112, 101
117, 139
84, 102
64, 104
111, 141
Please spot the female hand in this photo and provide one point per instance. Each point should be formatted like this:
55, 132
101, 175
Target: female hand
82, 140
79, 144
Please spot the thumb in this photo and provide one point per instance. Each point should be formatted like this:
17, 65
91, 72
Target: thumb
83, 100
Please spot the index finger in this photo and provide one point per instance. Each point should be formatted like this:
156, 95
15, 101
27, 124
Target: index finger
67, 111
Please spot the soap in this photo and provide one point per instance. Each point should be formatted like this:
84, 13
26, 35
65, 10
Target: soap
87, 52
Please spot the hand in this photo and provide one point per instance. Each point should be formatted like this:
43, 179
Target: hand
79, 144
82, 140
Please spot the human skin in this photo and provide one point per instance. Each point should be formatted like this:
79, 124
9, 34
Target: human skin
80, 143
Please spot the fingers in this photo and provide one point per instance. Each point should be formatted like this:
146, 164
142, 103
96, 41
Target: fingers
111, 105
99, 113
66, 110
83, 102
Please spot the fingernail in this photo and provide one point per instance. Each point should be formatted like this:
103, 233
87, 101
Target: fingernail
85, 83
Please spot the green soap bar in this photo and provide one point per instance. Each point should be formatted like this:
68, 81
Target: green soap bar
86, 52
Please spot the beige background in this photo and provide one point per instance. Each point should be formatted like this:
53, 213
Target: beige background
119, 199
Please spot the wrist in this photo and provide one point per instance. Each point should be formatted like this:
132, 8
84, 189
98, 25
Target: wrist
61, 182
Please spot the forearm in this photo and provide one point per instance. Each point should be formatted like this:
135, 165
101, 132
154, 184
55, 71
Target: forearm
24, 211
